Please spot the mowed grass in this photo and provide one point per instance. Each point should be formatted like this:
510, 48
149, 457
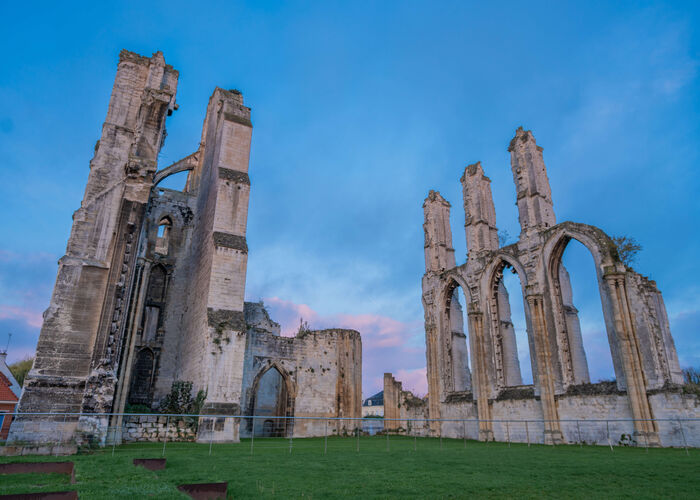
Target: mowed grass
405, 468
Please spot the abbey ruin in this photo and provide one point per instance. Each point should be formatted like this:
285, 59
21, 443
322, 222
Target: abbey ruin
151, 289
645, 361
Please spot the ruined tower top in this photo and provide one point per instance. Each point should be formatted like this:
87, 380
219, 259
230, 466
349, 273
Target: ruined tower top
479, 211
439, 254
534, 196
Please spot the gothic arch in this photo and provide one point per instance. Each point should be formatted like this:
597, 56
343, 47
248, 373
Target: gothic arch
290, 391
595, 240
573, 358
454, 338
502, 331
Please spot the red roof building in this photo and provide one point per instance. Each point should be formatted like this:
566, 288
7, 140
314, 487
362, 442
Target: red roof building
9, 396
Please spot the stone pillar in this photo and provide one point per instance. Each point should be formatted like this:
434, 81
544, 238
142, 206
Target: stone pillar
392, 395
480, 383
125, 369
534, 196
432, 354
439, 254
511, 363
579, 363
545, 371
479, 211
224, 188
631, 359
460, 354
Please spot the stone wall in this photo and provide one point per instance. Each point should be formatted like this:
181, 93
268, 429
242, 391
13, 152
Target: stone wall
596, 414
157, 428
404, 413
323, 373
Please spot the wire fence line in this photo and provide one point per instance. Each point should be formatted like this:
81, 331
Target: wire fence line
57, 433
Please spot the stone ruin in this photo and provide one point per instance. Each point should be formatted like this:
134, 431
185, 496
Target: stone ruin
648, 375
151, 289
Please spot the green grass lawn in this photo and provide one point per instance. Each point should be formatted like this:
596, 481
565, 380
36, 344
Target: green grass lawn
420, 468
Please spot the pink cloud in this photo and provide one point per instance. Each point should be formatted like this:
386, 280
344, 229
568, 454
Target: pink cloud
32, 318
415, 380
388, 345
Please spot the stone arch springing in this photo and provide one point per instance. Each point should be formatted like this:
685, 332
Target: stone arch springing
455, 339
507, 361
570, 337
281, 417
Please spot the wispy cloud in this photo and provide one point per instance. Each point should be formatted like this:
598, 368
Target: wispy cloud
26, 281
31, 317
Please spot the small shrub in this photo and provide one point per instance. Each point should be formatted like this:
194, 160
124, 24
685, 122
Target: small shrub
21, 368
180, 399
627, 248
691, 379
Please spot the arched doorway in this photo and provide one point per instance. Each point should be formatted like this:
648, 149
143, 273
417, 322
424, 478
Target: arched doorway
271, 405
142, 378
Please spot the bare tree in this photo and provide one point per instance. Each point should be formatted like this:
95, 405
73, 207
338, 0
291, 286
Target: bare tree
627, 248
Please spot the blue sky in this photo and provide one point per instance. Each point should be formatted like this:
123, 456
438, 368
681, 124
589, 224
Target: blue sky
359, 109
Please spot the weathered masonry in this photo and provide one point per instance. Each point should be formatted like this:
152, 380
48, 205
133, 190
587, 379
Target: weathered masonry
644, 357
151, 289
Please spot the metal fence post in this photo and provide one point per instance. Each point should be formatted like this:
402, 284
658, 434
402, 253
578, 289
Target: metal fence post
544, 433
508, 432
607, 426
252, 434
165, 437
464, 431
527, 434
387, 439
290, 443
685, 442
60, 437
211, 433
325, 436
358, 435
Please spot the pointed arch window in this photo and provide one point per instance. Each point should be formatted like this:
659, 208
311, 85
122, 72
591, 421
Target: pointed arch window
163, 237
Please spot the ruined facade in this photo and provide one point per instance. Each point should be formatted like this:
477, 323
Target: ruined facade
151, 289
644, 357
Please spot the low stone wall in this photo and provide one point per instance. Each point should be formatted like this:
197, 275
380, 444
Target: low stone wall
157, 428
584, 418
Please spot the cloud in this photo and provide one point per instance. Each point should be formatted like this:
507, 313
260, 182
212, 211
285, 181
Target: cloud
31, 317
26, 281
388, 345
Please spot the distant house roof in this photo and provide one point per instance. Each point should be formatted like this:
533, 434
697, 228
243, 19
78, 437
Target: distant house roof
376, 400
9, 388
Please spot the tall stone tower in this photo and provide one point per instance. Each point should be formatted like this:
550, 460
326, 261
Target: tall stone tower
219, 259
439, 254
479, 212
534, 196
80, 342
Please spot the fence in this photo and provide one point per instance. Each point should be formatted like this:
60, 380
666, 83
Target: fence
61, 433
